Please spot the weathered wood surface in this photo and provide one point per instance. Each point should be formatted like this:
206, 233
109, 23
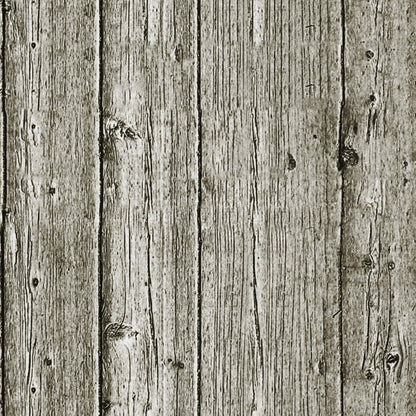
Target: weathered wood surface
379, 228
271, 200
149, 212
50, 297
208, 207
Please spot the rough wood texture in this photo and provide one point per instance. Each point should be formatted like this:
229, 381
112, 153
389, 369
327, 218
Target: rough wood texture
51, 227
232, 182
149, 217
379, 290
271, 204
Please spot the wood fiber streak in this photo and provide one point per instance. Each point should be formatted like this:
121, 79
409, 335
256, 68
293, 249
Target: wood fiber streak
3, 214
149, 211
271, 207
51, 227
379, 307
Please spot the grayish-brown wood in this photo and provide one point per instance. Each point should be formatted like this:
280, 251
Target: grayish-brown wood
51, 228
379, 291
271, 207
257, 216
150, 206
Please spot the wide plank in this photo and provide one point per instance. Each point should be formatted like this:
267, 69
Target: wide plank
51, 208
271, 207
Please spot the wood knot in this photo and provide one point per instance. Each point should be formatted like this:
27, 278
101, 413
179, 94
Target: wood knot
368, 262
369, 54
369, 375
117, 331
176, 364
394, 363
48, 361
292, 162
392, 359
118, 130
391, 265
349, 157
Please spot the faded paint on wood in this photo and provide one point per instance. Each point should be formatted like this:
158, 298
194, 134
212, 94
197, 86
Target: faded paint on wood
379, 312
271, 205
149, 212
51, 226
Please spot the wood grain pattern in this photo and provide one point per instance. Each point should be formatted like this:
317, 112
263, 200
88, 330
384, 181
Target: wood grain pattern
51, 226
150, 200
207, 207
379, 228
271, 205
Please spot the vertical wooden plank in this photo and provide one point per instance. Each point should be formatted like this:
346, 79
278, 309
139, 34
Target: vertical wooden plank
271, 205
51, 227
379, 312
150, 200
3, 200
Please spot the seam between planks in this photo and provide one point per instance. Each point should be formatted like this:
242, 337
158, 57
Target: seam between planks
341, 167
101, 196
4, 200
198, 283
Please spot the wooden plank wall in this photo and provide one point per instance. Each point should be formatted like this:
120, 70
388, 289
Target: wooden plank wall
207, 207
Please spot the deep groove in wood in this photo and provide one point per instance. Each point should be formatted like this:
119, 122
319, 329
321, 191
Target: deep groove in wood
101, 203
198, 283
4, 201
341, 166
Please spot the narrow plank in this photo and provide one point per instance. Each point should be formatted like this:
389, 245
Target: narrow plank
51, 227
379, 313
3, 213
271, 207
149, 224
